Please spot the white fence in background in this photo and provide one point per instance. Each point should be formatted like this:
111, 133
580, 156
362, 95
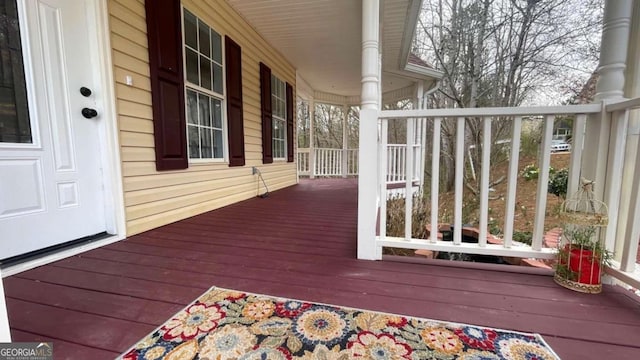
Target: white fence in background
399, 163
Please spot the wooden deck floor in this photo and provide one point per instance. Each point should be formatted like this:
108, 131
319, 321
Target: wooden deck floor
299, 243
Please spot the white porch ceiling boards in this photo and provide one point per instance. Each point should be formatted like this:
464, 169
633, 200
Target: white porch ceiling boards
322, 38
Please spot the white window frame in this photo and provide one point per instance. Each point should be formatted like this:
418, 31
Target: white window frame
277, 83
209, 93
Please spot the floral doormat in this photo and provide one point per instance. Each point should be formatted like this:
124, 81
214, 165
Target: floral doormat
227, 324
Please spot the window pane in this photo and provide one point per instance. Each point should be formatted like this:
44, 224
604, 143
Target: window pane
205, 143
205, 42
217, 78
217, 144
217, 113
192, 107
205, 113
205, 72
194, 142
216, 45
14, 115
192, 67
190, 30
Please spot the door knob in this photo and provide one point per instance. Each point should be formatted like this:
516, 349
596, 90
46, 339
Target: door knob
86, 92
89, 113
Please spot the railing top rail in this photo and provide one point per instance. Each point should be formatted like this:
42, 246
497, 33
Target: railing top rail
493, 111
624, 104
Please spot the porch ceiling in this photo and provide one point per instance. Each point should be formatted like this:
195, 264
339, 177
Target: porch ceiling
322, 39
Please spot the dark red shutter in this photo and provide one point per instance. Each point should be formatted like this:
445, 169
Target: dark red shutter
164, 32
290, 137
233, 63
267, 119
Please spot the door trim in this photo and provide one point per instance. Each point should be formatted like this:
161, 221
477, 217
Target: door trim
108, 139
5, 334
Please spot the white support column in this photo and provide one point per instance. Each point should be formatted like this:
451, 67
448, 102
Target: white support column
5, 334
345, 141
312, 151
627, 215
370, 105
613, 57
617, 23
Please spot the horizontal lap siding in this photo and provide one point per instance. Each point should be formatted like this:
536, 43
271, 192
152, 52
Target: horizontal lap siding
155, 198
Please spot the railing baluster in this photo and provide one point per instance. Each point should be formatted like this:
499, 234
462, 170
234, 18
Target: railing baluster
403, 168
332, 168
383, 176
408, 187
435, 179
577, 143
457, 213
620, 120
484, 181
632, 231
543, 184
512, 182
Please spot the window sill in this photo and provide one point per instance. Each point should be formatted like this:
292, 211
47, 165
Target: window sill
203, 162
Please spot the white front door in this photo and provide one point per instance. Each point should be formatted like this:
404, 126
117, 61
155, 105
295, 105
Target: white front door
51, 184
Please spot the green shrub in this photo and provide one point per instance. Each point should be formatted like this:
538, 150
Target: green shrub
524, 237
530, 172
558, 183
530, 140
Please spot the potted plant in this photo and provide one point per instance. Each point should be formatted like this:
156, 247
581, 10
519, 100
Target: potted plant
581, 258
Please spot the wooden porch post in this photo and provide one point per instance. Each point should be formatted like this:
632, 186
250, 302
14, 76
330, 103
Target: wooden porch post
5, 335
368, 132
628, 229
602, 135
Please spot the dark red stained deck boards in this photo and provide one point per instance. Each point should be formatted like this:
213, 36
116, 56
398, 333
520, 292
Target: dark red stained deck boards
299, 242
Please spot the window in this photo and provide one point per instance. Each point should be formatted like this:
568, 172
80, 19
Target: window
15, 126
279, 108
204, 89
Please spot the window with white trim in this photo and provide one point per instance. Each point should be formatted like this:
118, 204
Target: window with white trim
279, 112
204, 84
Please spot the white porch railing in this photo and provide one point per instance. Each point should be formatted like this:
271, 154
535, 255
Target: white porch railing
390, 155
330, 162
397, 163
436, 117
327, 162
304, 162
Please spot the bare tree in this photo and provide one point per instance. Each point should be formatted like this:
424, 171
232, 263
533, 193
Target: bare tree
504, 53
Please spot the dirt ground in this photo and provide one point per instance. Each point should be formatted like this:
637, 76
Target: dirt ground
526, 196
525, 207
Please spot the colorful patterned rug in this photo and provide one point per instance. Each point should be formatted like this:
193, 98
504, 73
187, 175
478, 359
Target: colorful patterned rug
227, 324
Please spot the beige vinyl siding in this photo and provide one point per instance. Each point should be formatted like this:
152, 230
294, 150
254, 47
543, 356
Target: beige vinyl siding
153, 198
